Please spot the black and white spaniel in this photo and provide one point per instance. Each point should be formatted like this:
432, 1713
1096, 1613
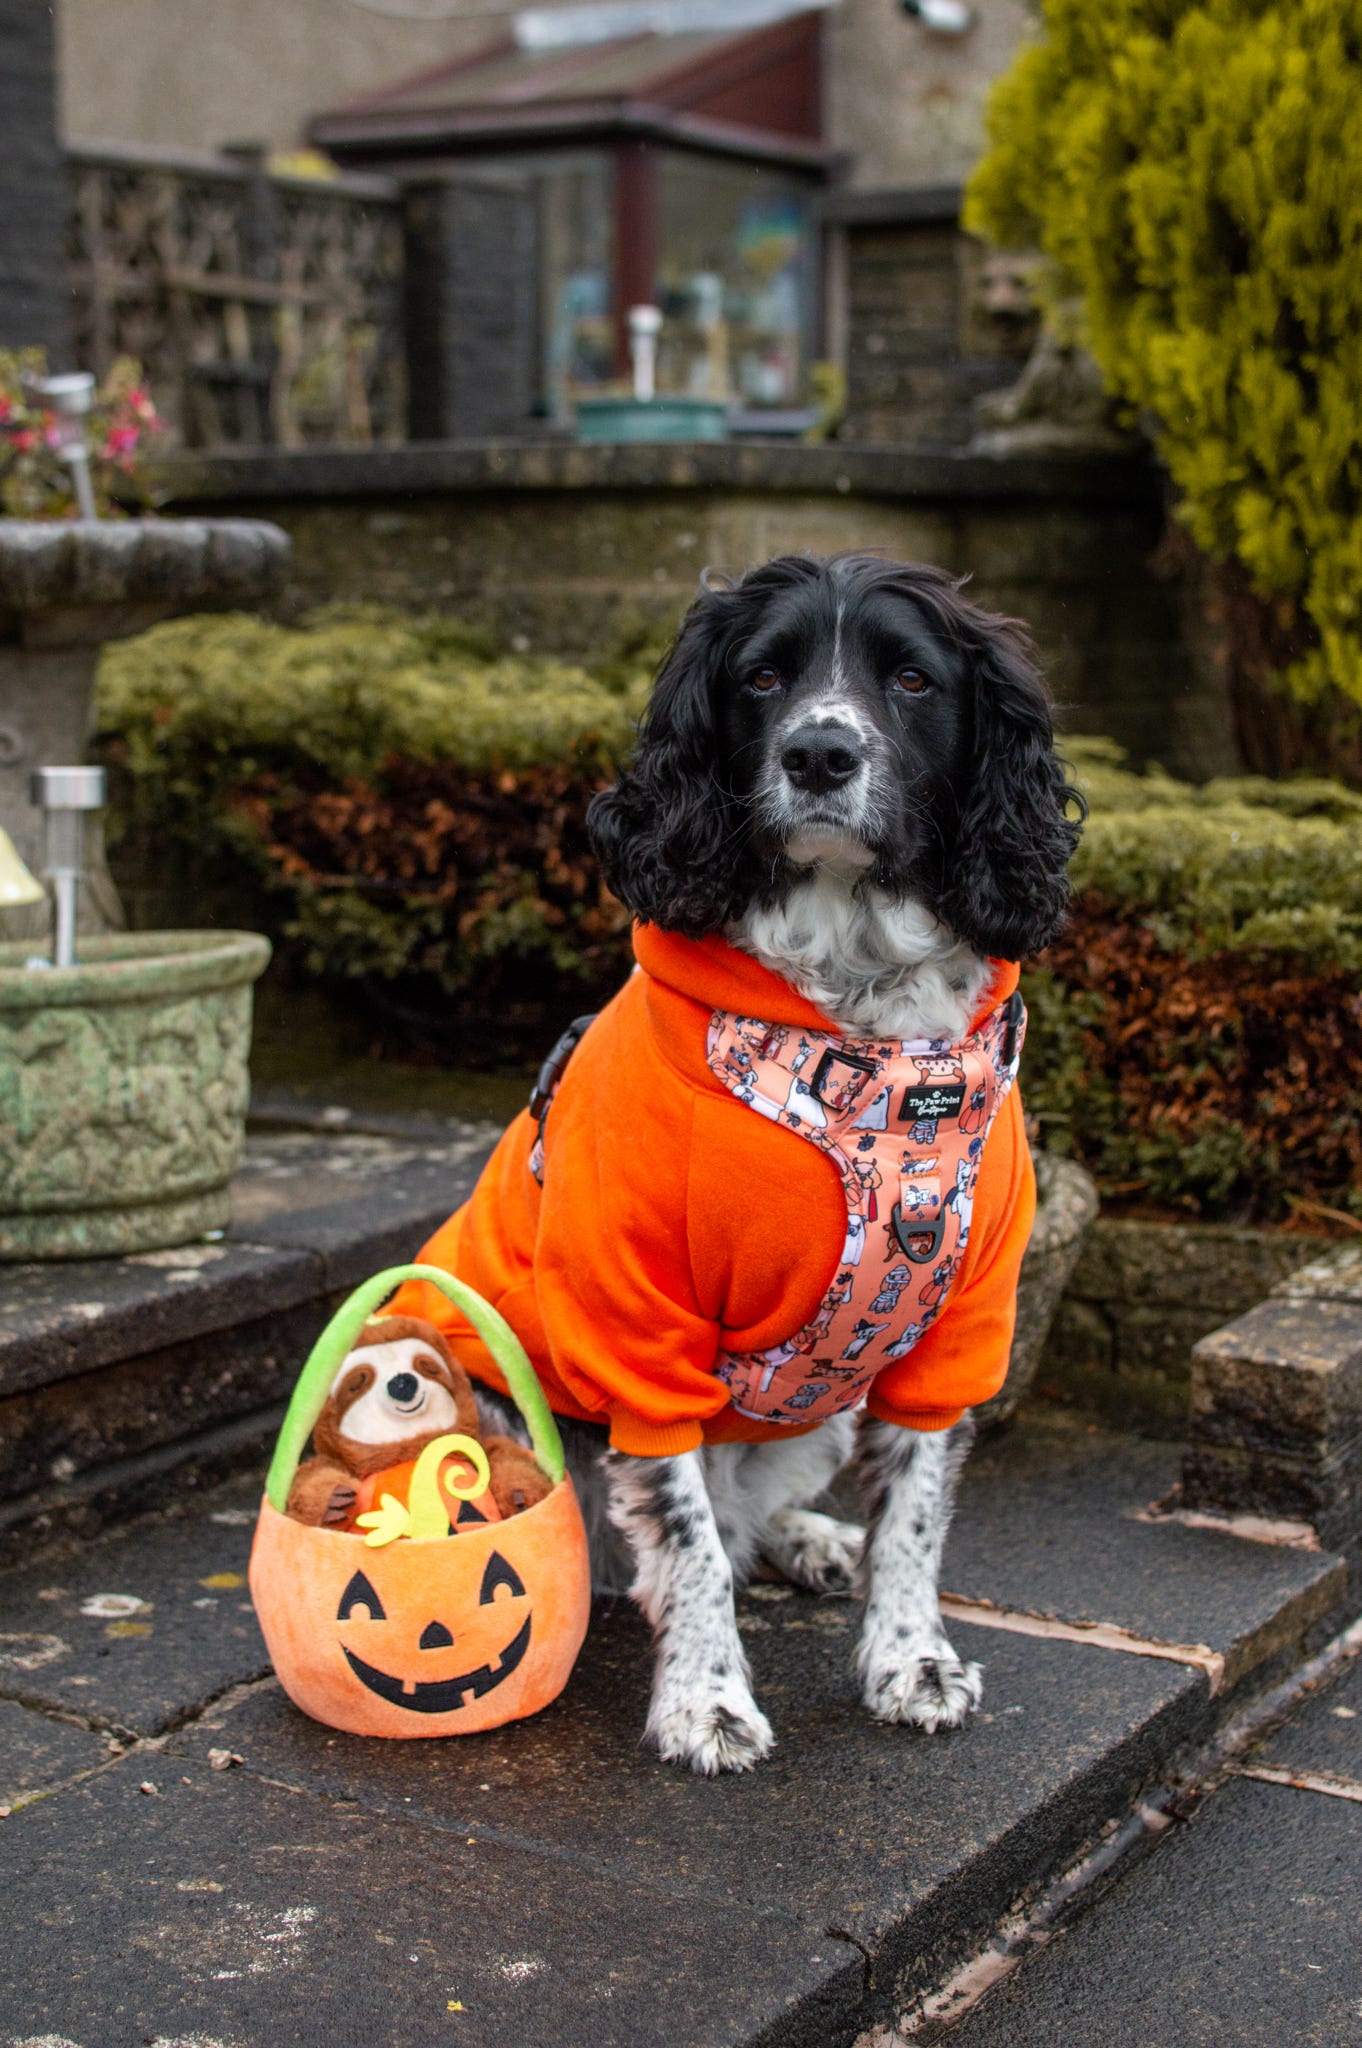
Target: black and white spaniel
848, 770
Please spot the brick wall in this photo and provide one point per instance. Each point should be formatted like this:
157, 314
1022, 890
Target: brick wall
32, 184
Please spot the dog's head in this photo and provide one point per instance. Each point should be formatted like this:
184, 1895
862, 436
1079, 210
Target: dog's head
855, 711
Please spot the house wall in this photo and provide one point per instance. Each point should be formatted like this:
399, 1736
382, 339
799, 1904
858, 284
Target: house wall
906, 102
903, 102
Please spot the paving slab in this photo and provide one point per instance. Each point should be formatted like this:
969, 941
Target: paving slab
1243, 1927
900, 1840
221, 1909
1326, 1734
37, 1752
139, 1630
67, 1318
1049, 1523
356, 1199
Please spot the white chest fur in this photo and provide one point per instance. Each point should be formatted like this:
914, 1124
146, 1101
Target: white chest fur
879, 966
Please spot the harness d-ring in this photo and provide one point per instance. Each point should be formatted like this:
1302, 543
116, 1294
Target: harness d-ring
929, 1234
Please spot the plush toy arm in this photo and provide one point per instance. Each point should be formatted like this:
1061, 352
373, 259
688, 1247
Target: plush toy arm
322, 1493
517, 1480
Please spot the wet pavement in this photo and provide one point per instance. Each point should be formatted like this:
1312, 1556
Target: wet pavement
195, 1861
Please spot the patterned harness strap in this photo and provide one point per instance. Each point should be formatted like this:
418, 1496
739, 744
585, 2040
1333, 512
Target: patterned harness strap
905, 1120
908, 1117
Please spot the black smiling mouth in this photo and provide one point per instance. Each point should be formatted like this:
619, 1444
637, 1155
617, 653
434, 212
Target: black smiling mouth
441, 1695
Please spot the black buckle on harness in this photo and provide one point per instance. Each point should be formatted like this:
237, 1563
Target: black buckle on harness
922, 1244
1014, 1014
551, 1073
833, 1059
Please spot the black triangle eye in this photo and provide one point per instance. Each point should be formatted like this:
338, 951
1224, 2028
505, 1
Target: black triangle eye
359, 1593
499, 1573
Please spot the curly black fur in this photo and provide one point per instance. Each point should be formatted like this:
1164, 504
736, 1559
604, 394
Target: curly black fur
983, 822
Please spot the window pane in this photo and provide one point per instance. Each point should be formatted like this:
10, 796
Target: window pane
734, 281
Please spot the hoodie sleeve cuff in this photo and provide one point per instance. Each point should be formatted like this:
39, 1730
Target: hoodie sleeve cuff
629, 1432
923, 1419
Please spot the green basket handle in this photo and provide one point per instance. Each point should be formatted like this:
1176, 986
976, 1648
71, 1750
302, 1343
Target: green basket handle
324, 1362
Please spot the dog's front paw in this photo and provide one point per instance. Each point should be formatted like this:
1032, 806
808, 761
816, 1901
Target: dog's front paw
925, 1689
720, 1731
812, 1550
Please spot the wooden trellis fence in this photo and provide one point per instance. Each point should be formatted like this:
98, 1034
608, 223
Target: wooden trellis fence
263, 309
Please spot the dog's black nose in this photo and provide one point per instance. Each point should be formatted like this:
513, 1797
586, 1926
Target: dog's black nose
402, 1386
818, 758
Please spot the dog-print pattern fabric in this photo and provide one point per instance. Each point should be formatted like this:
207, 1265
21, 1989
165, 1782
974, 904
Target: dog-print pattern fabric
905, 1124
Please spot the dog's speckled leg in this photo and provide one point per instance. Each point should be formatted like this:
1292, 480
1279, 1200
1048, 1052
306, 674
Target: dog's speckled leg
814, 1550
702, 1711
909, 1672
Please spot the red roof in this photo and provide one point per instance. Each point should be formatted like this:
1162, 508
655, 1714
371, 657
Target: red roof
757, 89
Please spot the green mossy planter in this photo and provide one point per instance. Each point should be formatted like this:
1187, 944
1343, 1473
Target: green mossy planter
123, 1091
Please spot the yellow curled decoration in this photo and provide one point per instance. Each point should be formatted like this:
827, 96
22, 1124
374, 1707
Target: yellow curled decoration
426, 1516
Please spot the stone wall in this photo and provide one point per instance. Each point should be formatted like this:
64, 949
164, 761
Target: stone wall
32, 185
560, 544
920, 327
1141, 1295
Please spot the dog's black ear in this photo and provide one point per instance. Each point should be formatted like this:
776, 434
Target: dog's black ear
1006, 885
669, 834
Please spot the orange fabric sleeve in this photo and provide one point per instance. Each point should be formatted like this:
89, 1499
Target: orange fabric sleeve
962, 1359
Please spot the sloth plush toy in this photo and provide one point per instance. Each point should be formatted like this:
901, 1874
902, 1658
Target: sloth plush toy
397, 1390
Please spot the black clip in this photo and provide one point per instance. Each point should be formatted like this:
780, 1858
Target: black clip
1014, 1014
833, 1059
929, 1235
551, 1073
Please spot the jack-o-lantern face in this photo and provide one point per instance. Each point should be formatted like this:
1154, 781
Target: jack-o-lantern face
437, 1695
419, 1638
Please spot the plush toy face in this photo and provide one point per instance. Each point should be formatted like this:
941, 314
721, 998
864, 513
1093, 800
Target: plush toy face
396, 1390
392, 1391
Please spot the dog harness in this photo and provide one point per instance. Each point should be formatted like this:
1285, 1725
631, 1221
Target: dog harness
905, 1124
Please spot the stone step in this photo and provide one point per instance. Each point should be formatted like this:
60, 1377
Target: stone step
121, 1376
552, 1882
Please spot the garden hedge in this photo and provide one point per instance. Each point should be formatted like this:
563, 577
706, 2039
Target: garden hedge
407, 804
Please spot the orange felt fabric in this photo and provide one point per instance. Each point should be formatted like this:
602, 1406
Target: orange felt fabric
674, 1222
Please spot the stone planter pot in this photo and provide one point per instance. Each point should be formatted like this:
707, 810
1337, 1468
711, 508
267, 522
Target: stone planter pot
123, 1091
1066, 1209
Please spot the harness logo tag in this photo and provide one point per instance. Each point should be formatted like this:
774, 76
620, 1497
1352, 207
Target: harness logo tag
930, 1101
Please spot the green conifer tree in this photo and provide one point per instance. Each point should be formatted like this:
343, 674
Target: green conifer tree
1193, 169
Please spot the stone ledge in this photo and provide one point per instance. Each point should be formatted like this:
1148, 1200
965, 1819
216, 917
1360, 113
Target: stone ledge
47, 563
1276, 1421
115, 1371
835, 469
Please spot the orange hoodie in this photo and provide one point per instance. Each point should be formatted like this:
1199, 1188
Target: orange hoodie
676, 1227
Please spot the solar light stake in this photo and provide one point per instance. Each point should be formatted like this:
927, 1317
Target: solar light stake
71, 398
64, 795
644, 323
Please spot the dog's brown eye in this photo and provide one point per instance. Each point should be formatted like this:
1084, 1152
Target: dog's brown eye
912, 680
765, 679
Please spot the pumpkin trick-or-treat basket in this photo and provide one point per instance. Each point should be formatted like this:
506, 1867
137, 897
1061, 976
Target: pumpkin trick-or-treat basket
423, 1635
